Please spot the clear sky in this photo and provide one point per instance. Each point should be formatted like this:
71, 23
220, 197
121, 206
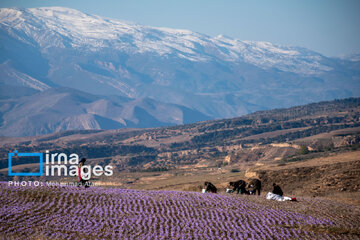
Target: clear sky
331, 27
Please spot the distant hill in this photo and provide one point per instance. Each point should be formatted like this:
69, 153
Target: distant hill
26, 112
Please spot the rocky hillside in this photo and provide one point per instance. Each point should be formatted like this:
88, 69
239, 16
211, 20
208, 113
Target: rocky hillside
258, 137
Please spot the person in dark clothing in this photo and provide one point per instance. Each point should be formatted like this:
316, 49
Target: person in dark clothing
277, 190
210, 187
255, 186
239, 187
82, 182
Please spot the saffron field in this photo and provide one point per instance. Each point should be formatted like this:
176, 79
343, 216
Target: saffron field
104, 213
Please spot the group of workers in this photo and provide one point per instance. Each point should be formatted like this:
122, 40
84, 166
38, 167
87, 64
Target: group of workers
241, 187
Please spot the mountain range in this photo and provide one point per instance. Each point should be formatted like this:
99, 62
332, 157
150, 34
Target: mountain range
62, 69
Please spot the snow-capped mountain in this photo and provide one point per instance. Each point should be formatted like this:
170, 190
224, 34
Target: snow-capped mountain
64, 27
42, 48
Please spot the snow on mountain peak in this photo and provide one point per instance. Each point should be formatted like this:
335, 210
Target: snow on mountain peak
59, 26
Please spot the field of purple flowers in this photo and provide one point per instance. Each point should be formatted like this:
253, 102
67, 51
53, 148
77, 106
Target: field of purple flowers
99, 213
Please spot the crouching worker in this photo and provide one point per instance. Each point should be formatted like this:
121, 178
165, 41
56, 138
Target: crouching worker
239, 187
82, 181
277, 194
209, 187
255, 186
277, 190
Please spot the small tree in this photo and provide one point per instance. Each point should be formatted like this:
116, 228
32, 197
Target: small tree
303, 150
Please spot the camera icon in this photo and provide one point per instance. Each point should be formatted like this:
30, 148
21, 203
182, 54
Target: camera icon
16, 153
